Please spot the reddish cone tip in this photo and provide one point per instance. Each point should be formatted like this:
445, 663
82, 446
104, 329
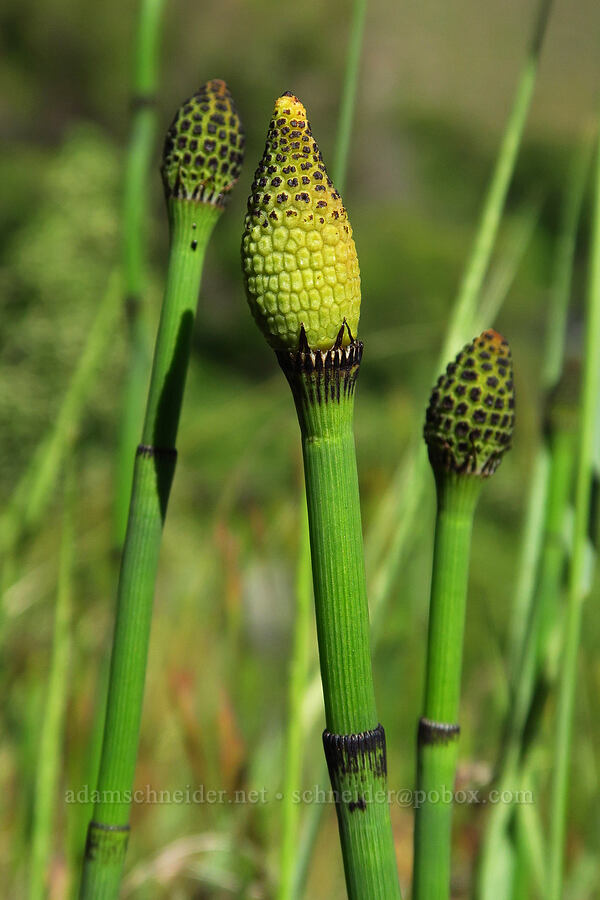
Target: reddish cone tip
470, 418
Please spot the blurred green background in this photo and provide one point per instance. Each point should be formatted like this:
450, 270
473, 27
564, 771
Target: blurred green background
435, 88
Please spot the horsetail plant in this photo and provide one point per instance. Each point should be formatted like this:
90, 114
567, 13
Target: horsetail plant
144, 116
543, 544
468, 428
201, 163
303, 287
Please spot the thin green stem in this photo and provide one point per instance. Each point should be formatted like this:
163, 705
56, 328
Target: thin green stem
52, 734
438, 730
465, 307
577, 588
191, 226
348, 99
461, 325
543, 612
135, 217
563, 261
543, 547
292, 768
354, 741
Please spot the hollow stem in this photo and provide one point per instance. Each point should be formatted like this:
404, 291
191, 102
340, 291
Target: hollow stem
438, 732
135, 204
191, 225
354, 741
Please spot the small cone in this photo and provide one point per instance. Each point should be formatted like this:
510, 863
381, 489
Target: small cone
470, 418
204, 147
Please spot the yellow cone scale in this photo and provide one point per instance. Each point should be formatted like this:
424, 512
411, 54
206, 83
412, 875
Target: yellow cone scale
298, 254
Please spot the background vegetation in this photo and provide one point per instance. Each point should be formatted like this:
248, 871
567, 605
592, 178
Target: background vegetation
436, 85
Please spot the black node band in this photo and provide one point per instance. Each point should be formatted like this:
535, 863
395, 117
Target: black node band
352, 753
431, 732
142, 101
100, 826
148, 451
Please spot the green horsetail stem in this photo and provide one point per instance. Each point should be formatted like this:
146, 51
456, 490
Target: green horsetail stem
303, 287
140, 151
468, 428
201, 163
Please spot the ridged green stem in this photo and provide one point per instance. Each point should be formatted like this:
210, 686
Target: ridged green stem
191, 226
354, 741
577, 589
294, 879
135, 215
457, 497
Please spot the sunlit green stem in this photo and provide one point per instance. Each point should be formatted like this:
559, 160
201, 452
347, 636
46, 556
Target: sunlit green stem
191, 225
457, 497
348, 99
135, 218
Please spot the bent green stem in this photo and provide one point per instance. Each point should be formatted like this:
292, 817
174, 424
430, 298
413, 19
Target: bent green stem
153, 474
195, 188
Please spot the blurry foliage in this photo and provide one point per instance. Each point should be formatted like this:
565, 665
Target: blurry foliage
55, 270
218, 665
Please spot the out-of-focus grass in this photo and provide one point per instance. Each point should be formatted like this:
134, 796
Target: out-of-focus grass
216, 690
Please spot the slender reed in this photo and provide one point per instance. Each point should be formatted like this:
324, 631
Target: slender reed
348, 99
201, 163
552, 365
464, 309
292, 766
135, 217
543, 548
468, 428
578, 582
52, 733
303, 288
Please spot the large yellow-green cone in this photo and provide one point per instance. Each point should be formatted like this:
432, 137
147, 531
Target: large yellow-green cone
298, 255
